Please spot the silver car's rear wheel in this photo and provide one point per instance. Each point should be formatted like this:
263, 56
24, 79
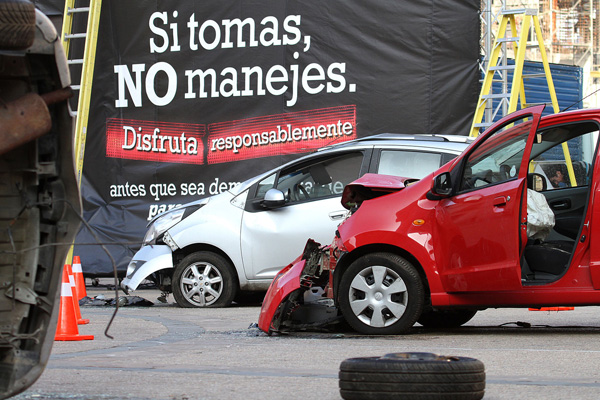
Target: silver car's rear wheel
381, 294
204, 279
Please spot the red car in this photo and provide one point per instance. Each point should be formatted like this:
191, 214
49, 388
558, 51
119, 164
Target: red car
509, 223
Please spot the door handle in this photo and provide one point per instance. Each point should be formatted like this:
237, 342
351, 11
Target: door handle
501, 201
560, 204
337, 215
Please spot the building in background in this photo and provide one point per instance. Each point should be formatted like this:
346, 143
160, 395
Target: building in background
571, 32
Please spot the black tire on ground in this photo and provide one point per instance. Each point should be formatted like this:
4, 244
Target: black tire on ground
410, 387
17, 24
204, 279
381, 294
439, 319
423, 377
412, 376
351, 395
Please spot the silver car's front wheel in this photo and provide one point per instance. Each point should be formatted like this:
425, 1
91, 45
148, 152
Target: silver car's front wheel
381, 294
204, 279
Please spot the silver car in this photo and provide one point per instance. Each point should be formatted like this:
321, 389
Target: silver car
209, 251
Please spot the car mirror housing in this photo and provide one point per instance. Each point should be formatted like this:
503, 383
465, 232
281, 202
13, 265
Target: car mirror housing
441, 187
274, 198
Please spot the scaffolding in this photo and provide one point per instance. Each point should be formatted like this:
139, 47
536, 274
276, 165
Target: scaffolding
571, 31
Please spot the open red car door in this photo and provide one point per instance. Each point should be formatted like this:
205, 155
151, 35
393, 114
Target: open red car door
492, 179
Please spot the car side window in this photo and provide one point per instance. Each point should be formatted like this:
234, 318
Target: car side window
498, 159
320, 179
264, 185
563, 156
408, 164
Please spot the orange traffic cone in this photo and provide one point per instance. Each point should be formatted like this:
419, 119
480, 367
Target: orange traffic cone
67, 324
79, 278
80, 321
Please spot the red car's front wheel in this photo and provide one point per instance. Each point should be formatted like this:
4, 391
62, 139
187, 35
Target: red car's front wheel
381, 293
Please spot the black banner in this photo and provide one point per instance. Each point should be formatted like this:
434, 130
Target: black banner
190, 98
50, 7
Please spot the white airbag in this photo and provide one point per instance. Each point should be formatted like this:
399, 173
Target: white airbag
540, 218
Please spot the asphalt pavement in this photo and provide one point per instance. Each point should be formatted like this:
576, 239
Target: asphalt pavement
166, 352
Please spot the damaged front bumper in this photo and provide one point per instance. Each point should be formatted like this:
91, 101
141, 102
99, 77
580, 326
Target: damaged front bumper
145, 262
299, 296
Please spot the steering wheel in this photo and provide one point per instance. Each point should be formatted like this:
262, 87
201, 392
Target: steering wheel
471, 182
298, 188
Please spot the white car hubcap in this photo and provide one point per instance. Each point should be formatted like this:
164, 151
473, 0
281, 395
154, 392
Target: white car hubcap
378, 296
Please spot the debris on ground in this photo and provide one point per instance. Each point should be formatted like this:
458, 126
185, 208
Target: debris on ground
124, 301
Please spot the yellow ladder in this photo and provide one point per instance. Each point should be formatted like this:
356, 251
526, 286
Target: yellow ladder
498, 66
81, 64
80, 49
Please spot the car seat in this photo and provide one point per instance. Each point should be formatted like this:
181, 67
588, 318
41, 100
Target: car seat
322, 179
550, 257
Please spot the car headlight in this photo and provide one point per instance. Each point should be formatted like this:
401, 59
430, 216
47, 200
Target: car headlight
167, 220
161, 224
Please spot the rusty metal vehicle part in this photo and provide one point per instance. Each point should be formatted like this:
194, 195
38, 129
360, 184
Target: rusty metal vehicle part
39, 200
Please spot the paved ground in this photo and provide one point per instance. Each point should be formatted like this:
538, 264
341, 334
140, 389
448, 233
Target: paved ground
166, 352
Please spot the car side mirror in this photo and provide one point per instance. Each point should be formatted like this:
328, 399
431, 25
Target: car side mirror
274, 198
536, 182
441, 187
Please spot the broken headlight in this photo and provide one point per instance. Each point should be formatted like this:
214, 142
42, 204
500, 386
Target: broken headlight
167, 220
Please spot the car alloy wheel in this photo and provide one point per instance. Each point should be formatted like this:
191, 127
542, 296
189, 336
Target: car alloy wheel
381, 293
204, 279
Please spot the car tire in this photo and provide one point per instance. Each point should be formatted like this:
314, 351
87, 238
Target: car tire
439, 319
17, 24
381, 294
412, 376
204, 279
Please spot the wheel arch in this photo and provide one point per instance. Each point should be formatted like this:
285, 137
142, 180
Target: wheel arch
348, 258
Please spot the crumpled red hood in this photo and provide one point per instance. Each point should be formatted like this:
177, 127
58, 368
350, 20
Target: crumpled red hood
370, 186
